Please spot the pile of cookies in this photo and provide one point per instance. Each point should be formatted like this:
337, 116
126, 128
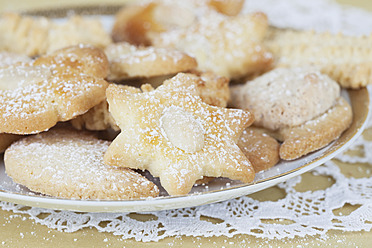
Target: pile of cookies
186, 90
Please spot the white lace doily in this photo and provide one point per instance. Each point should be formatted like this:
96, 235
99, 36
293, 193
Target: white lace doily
297, 214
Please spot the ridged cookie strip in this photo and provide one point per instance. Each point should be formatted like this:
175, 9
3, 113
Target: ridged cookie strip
317, 133
173, 134
346, 59
69, 164
128, 61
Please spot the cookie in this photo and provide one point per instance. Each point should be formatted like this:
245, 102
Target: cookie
134, 22
97, 118
286, 97
10, 58
129, 61
177, 137
7, 139
212, 89
34, 36
346, 59
316, 133
227, 7
69, 164
55, 87
260, 148
229, 46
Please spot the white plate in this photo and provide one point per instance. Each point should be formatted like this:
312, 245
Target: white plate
217, 190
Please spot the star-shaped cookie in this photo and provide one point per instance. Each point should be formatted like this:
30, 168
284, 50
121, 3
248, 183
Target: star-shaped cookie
172, 133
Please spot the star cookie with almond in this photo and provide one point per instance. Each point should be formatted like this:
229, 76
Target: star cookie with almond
177, 137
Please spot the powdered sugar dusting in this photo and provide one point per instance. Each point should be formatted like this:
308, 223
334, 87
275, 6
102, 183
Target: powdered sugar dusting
287, 97
8, 58
265, 219
69, 164
49, 89
135, 55
139, 118
228, 46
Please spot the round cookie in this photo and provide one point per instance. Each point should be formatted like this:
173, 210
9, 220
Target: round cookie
286, 97
69, 164
55, 87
